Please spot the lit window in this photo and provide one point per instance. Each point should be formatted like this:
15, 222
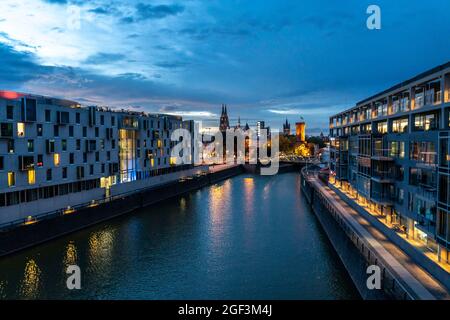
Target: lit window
11, 179
173, 161
56, 159
159, 143
20, 129
31, 176
152, 162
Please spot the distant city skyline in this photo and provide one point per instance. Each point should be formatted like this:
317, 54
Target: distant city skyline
267, 61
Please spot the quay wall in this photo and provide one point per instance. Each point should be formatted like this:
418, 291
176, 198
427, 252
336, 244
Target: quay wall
26, 236
353, 251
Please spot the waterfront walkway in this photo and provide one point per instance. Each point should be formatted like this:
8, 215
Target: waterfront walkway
410, 274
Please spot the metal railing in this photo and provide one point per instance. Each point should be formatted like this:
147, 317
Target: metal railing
84, 205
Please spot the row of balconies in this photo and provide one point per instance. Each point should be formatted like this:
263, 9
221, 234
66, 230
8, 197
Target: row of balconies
430, 93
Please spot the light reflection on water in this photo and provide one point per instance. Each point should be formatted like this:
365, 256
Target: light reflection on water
246, 237
29, 288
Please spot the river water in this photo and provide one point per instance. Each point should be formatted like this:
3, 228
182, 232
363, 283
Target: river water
249, 237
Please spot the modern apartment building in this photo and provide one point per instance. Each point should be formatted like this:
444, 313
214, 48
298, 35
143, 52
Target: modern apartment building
390, 153
56, 154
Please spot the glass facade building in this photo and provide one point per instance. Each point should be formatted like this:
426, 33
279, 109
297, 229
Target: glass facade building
390, 153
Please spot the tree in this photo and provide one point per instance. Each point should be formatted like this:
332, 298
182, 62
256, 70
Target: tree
287, 144
302, 150
316, 140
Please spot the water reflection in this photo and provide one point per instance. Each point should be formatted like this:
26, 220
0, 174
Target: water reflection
249, 188
101, 245
70, 257
3, 285
219, 196
249, 237
29, 288
183, 204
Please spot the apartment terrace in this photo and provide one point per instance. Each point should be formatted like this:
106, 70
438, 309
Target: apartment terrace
421, 93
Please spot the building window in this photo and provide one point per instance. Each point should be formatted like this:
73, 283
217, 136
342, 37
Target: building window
10, 112
1, 163
47, 116
20, 129
84, 132
397, 149
77, 118
49, 174
71, 158
78, 144
91, 169
84, 157
102, 120
113, 143
381, 127
64, 145
11, 179
64, 173
10, 146
113, 121
96, 132
56, 159
30, 145
70, 131
108, 155
31, 176
39, 130
422, 151
400, 125
425, 122
97, 156
56, 131
103, 168
444, 152
40, 160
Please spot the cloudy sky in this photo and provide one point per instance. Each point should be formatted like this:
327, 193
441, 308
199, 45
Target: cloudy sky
267, 60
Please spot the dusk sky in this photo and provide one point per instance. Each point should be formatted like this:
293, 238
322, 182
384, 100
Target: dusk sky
267, 60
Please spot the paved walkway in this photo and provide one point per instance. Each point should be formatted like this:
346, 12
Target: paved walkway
220, 167
409, 273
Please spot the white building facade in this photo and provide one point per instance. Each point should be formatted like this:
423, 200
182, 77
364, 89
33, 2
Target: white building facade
56, 154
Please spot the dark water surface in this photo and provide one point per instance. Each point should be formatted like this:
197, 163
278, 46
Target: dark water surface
249, 237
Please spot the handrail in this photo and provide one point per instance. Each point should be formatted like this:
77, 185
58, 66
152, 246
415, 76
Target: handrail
83, 205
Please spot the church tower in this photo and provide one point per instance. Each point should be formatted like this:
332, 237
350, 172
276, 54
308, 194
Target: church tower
287, 128
224, 122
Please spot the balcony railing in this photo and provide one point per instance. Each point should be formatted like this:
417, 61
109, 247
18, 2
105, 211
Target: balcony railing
384, 175
381, 153
427, 192
382, 197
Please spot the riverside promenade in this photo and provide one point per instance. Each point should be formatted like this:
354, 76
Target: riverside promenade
413, 278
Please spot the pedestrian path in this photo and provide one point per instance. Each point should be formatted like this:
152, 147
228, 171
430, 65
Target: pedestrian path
414, 277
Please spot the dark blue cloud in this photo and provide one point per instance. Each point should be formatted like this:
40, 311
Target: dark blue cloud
171, 64
104, 58
259, 56
101, 10
148, 11
19, 67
